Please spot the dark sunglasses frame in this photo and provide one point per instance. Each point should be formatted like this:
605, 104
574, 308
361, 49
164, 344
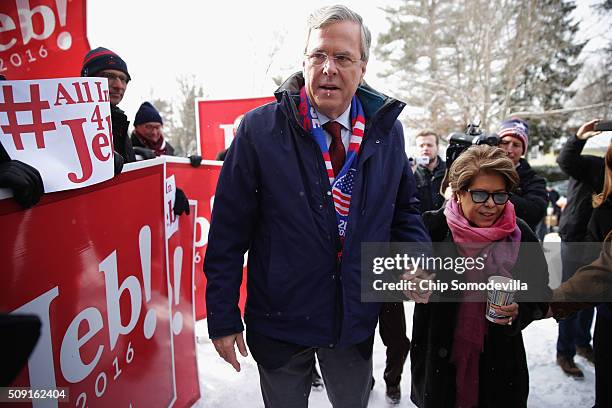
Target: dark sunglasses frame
499, 197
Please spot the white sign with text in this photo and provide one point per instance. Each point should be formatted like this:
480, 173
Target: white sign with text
62, 127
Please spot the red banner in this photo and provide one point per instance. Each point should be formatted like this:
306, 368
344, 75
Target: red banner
42, 38
200, 184
180, 255
215, 121
91, 263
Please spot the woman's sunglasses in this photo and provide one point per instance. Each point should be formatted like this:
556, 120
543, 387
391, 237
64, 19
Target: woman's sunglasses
481, 196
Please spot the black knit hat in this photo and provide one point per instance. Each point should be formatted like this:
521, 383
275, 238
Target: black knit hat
147, 113
100, 59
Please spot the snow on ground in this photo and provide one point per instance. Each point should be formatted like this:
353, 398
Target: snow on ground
221, 386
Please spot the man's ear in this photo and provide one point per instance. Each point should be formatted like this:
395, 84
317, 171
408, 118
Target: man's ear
363, 70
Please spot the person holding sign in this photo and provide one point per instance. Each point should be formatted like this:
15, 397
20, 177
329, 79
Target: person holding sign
104, 63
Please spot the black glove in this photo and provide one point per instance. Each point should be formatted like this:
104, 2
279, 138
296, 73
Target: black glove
24, 180
181, 204
144, 152
195, 160
118, 162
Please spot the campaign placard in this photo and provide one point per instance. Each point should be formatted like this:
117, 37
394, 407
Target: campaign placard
200, 184
62, 127
91, 264
42, 38
217, 121
181, 251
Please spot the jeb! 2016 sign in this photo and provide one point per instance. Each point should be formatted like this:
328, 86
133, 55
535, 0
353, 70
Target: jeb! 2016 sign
93, 265
42, 38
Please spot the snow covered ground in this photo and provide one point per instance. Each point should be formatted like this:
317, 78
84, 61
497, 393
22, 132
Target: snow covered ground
221, 386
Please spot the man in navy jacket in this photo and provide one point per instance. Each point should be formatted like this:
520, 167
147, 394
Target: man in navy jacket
301, 197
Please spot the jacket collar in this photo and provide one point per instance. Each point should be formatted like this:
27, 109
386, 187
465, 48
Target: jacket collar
371, 100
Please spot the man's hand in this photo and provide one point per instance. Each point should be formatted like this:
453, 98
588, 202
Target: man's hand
225, 348
586, 131
418, 295
24, 180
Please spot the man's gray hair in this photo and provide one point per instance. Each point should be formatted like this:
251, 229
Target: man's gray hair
334, 14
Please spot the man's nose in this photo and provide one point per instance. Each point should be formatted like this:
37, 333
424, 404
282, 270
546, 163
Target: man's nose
116, 85
329, 66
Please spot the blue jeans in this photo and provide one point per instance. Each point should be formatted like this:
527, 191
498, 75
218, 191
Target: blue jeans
575, 330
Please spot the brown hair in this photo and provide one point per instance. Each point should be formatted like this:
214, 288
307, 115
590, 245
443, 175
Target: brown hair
476, 160
428, 132
607, 188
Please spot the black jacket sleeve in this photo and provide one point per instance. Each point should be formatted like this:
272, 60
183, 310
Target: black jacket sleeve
232, 224
531, 201
583, 168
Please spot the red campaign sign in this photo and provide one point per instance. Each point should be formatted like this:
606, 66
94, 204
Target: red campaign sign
215, 122
91, 263
42, 38
200, 184
180, 255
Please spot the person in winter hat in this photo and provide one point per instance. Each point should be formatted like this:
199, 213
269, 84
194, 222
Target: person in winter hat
148, 133
104, 63
530, 199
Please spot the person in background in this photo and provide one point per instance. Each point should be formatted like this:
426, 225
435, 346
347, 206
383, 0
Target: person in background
328, 154
586, 174
546, 224
104, 63
429, 176
148, 136
530, 198
458, 357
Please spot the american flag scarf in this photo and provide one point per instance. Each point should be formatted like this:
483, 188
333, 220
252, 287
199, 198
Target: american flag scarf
341, 186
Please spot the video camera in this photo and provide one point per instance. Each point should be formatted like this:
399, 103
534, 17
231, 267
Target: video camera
458, 142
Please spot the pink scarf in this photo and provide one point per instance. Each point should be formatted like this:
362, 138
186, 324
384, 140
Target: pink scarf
468, 339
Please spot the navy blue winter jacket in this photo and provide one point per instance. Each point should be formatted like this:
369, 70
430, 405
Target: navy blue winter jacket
273, 199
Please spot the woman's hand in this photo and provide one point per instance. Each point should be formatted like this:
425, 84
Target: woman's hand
511, 311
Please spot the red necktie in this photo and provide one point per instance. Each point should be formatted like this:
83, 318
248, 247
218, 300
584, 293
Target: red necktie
336, 148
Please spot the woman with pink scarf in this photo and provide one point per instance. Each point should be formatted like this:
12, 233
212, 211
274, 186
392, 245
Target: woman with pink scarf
458, 358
